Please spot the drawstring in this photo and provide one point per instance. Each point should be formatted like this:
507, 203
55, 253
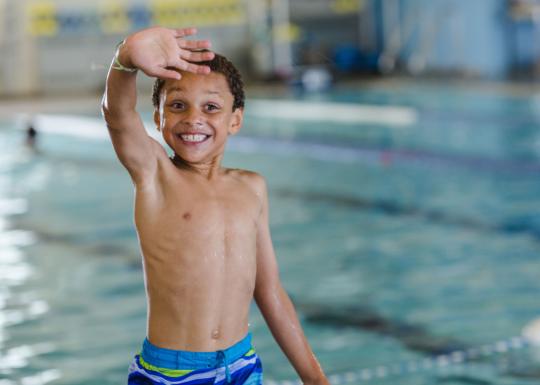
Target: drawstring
223, 358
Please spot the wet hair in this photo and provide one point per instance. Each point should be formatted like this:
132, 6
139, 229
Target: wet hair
219, 64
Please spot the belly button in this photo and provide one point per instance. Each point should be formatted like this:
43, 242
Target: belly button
215, 334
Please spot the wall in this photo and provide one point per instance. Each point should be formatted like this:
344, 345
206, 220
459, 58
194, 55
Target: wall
470, 37
66, 46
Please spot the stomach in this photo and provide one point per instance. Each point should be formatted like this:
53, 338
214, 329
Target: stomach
190, 313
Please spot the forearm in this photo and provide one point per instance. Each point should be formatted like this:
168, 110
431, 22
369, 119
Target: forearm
283, 322
120, 98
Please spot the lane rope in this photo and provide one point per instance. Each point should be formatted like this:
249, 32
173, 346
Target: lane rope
530, 337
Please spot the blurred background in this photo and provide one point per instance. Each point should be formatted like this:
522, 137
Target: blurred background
401, 144
63, 46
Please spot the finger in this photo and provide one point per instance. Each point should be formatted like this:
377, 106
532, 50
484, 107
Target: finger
167, 73
181, 32
194, 44
190, 67
198, 69
196, 56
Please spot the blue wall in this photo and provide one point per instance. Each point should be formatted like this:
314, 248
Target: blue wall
470, 35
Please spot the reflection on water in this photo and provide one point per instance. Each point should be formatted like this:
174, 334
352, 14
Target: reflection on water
17, 305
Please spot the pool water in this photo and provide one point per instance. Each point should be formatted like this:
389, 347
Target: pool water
395, 242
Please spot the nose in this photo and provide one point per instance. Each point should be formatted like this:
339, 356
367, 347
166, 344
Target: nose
192, 118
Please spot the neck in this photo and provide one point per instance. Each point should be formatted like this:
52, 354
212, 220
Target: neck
207, 170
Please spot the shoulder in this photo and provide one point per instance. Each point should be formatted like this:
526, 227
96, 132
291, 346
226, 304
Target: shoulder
253, 180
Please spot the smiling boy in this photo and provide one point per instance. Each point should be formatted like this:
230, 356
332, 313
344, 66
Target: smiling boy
203, 229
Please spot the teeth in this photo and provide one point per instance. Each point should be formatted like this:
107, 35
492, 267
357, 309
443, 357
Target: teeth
193, 138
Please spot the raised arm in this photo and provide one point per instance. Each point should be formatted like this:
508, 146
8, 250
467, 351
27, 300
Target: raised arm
156, 52
276, 306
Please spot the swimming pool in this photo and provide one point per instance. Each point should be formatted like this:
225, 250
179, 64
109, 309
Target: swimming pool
397, 240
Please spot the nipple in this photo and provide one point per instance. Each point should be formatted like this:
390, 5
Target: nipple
215, 334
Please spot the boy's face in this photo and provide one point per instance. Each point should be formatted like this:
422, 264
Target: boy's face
195, 116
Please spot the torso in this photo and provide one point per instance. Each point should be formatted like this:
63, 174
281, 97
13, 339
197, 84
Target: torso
198, 239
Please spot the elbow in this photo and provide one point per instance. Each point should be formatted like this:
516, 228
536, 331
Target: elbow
269, 294
105, 111
112, 116
104, 107
274, 304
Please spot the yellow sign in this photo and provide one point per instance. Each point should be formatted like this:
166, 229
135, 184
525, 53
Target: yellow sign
179, 13
346, 6
45, 18
114, 18
42, 18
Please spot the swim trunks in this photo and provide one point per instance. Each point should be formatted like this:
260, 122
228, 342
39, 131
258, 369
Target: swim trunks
238, 364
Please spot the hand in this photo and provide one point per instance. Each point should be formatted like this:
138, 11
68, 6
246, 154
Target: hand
156, 51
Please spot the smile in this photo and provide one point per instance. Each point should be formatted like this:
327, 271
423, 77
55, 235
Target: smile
194, 138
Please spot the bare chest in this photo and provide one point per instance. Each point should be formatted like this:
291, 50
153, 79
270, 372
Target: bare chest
199, 218
207, 216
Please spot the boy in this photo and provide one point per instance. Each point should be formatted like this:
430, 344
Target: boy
203, 229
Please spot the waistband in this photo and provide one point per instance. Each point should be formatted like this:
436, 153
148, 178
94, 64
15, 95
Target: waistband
183, 359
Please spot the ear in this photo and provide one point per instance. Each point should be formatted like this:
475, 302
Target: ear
236, 121
157, 119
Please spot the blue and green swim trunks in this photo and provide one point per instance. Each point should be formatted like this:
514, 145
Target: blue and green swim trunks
238, 364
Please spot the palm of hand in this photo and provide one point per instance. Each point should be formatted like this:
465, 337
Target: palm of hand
156, 51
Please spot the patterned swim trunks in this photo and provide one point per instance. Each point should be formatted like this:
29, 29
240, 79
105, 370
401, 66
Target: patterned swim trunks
238, 364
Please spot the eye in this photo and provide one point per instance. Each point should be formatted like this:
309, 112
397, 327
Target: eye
212, 107
177, 105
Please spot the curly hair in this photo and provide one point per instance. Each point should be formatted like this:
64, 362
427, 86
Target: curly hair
219, 64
